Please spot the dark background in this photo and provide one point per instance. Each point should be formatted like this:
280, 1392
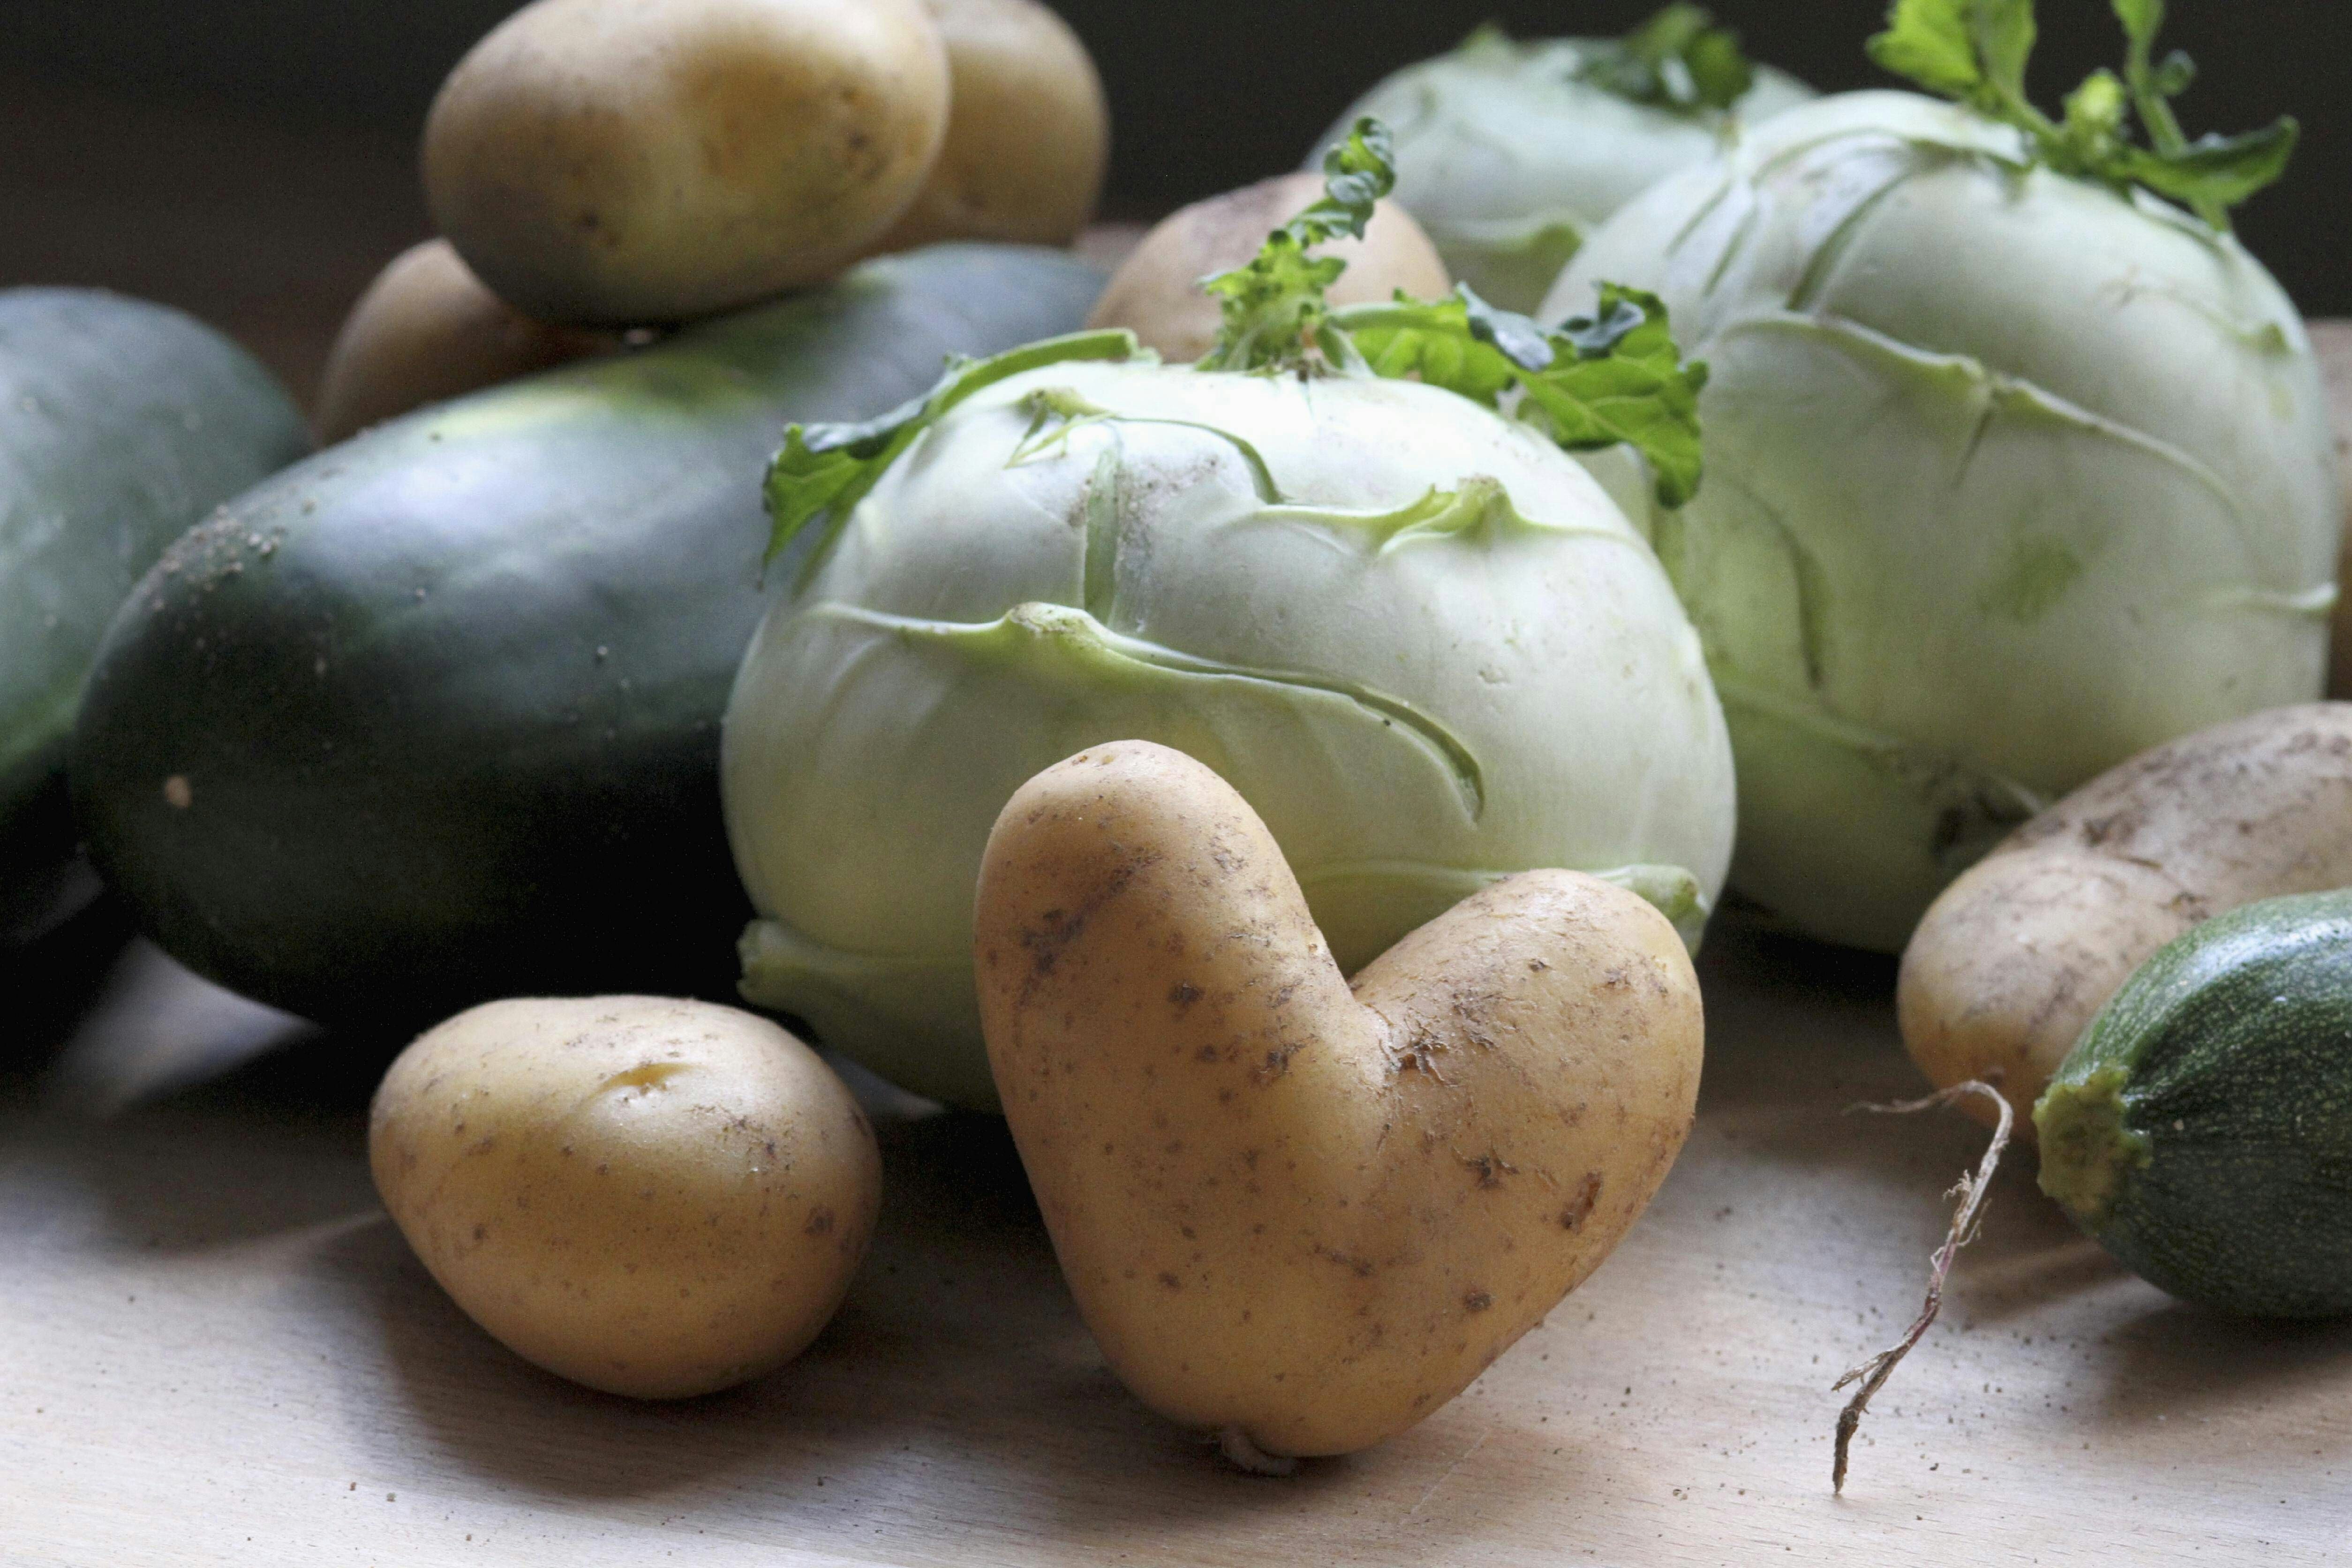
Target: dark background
253, 159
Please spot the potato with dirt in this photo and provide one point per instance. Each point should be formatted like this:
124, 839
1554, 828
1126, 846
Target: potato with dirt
1298, 1214
426, 332
655, 1198
1028, 136
1155, 293
625, 162
2012, 963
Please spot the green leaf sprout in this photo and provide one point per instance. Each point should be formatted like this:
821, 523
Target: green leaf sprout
1678, 59
1611, 378
825, 471
1976, 52
1614, 377
1276, 301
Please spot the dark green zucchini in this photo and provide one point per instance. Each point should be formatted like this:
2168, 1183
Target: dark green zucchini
2202, 1128
433, 717
122, 424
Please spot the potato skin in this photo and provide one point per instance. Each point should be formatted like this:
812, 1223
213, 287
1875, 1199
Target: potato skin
2012, 963
1028, 138
1156, 293
629, 162
655, 1198
2331, 342
1288, 1211
427, 330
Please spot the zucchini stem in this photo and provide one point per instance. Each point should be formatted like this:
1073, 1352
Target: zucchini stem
1972, 1191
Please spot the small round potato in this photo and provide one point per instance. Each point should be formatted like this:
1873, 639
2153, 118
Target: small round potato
631, 162
426, 330
655, 1198
2331, 342
2011, 964
1028, 131
1155, 293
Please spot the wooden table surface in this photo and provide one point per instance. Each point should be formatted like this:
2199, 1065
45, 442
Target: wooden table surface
218, 1350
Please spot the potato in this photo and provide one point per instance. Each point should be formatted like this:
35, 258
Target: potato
630, 161
1301, 1218
1028, 131
1155, 293
426, 330
2020, 953
655, 1198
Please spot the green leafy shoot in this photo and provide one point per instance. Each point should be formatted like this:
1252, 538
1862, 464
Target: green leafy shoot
1275, 313
1614, 377
1598, 381
1976, 52
1678, 59
1595, 383
825, 471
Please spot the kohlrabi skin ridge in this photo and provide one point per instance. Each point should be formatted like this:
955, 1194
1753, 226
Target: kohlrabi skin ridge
2012, 472
1418, 637
1509, 153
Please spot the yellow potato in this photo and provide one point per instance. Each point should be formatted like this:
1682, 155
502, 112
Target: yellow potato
426, 330
1155, 293
1028, 131
2015, 959
625, 162
655, 1198
1299, 1217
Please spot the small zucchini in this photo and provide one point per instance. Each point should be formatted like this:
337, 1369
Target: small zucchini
2202, 1128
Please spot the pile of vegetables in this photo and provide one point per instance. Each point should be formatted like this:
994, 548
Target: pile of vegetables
388, 735
1425, 644
1286, 698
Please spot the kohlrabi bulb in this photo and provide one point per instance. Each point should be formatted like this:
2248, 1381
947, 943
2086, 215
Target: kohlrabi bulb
1509, 153
2009, 475
1419, 639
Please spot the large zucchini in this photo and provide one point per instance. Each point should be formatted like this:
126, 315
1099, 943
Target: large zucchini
2202, 1128
433, 717
122, 423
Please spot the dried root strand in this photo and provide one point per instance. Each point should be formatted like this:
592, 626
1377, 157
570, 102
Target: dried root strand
1972, 1192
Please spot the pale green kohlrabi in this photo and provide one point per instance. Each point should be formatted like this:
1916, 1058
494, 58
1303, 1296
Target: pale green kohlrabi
1420, 639
2012, 473
1509, 153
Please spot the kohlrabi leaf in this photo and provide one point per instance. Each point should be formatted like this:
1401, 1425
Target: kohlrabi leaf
1274, 306
1931, 43
1616, 377
1599, 381
2214, 174
1678, 59
825, 471
1975, 52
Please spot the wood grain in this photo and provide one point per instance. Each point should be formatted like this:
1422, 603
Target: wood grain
218, 1350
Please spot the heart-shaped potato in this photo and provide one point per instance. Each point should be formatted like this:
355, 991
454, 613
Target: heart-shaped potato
1302, 1214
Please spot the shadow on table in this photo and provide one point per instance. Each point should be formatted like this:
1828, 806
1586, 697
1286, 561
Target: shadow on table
2171, 1358
956, 1320
958, 1352
46, 984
